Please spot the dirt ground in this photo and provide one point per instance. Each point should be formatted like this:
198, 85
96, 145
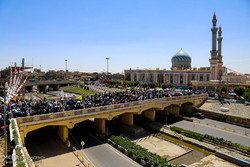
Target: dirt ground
212, 161
163, 148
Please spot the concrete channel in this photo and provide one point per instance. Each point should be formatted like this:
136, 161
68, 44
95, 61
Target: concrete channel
189, 158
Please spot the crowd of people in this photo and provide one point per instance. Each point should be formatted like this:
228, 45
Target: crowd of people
22, 108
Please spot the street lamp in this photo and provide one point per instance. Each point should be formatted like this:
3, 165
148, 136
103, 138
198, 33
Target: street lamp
107, 65
66, 68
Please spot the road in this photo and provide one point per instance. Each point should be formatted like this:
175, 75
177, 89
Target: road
204, 128
99, 154
224, 126
31, 96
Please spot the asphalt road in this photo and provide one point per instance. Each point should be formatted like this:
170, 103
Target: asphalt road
224, 126
31, 96
215, 131
98, 153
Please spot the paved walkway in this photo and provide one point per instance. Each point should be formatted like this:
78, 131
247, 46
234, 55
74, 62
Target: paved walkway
235, 109
63, 160
212, 161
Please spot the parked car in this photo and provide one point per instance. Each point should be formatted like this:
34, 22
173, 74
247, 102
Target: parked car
199, 115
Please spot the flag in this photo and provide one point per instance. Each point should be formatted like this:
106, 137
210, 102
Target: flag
14, 98
79, 97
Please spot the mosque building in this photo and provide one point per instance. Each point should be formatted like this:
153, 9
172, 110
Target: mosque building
181, 73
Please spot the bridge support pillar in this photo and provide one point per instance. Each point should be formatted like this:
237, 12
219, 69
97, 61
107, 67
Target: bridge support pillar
128, 119
22, 137
63, 134
100, 125
173, 109
150, 114
41, 89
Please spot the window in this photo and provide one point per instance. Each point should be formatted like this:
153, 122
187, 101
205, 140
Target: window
193, 77
201, 77
207, 77
181, 79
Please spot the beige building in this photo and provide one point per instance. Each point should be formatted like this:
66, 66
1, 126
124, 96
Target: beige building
183, 75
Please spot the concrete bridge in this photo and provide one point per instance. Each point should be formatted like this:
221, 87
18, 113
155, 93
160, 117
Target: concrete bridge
42, 86
64, 120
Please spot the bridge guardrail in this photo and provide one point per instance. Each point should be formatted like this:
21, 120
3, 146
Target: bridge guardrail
81, 158
103, 108
19, 150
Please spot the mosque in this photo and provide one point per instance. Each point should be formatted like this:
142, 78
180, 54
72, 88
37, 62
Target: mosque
181, 73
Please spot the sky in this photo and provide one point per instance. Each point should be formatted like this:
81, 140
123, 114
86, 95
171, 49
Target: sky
142, 34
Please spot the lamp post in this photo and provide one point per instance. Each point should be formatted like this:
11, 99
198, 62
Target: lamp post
66, 68
107, 65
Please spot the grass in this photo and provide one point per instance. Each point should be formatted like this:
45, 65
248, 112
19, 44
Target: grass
78, 89
41, 95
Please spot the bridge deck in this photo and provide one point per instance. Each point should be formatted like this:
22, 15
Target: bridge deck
137, 106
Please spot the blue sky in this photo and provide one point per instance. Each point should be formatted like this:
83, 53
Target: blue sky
132, 33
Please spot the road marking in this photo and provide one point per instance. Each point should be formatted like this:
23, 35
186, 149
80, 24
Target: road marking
229, 129
210, 124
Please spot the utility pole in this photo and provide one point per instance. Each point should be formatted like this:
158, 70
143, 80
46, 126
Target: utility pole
66, 69
107, 65
227, 88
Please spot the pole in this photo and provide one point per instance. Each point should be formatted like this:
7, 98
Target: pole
66, 68
5, 135
227, 88
107, 65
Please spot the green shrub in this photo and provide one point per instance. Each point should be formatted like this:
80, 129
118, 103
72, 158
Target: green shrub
188, 133
19, 157
139, 152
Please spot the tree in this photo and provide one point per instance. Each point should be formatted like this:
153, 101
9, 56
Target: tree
246, 94
170, 85
163, 86
239, 90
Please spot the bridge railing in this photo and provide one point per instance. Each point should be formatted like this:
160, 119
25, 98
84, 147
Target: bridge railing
83, 160
102, 108
20, 156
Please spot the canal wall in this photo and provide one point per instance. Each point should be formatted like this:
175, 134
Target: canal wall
232, 159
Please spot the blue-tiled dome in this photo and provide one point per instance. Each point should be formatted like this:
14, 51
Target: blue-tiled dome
181, 59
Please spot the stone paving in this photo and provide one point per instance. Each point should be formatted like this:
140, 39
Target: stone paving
212, 161
161, 147
235, 109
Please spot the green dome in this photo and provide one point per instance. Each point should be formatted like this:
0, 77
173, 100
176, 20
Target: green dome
181, 59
